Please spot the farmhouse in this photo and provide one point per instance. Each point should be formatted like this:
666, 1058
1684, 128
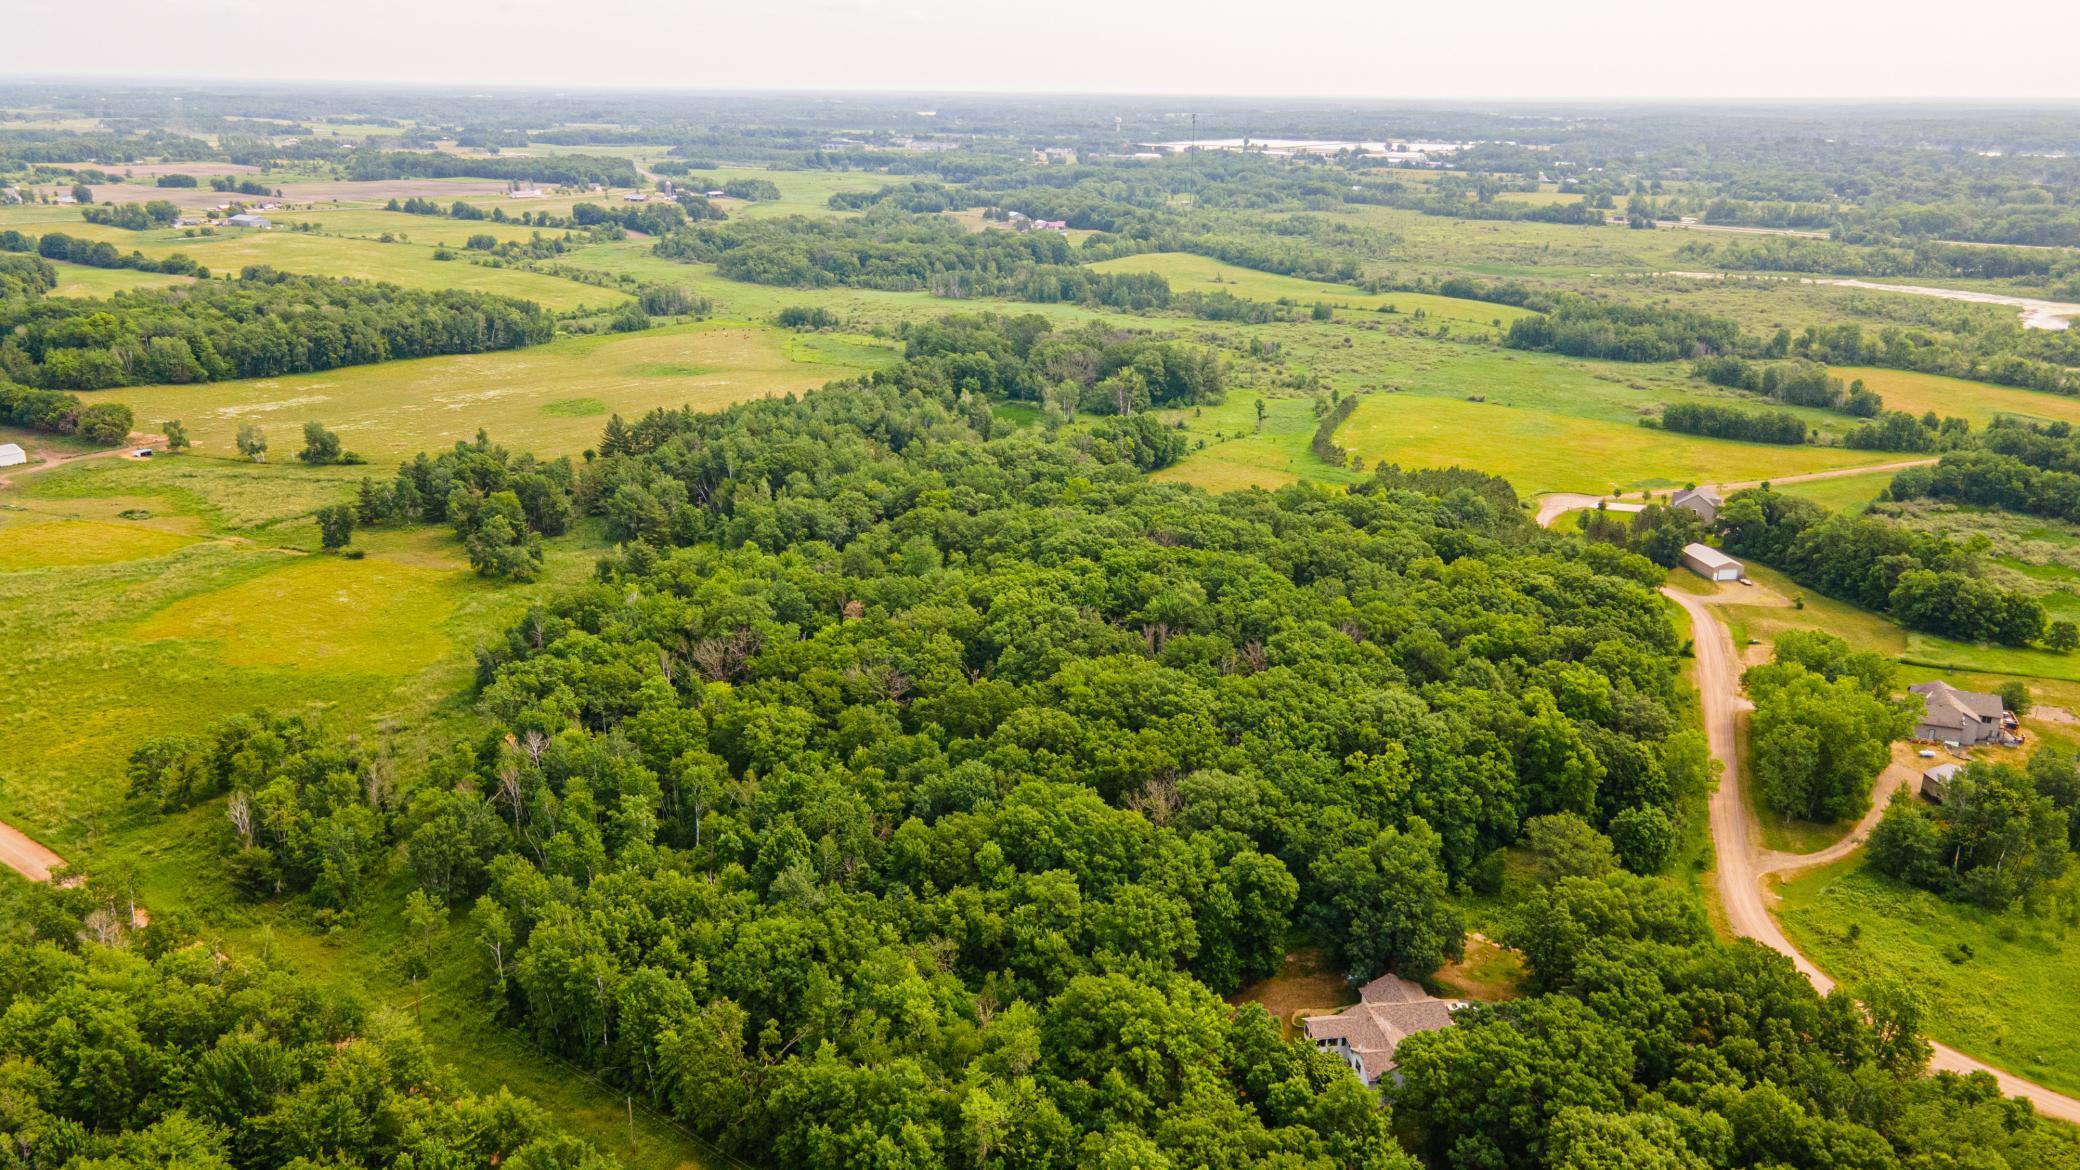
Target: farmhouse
1389, 1010
1964, 718
11, 455
1711, 564
1935, 782
1697, 500
251, 221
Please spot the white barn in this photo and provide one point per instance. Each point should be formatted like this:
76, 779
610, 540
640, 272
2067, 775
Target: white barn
1711, 564
12, 455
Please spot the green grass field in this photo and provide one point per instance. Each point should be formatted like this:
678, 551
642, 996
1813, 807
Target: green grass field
2011, 1004
1846, 493
1542, 451
1239, 455
550, 399
142, 598
78, 280
1187, 272
409, 264
1977, 402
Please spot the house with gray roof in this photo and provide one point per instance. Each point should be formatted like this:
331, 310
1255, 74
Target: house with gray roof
1697, 500
1964, 718
1389, 1010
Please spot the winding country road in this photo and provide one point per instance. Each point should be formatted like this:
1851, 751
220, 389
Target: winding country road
1742, 865
1554, 505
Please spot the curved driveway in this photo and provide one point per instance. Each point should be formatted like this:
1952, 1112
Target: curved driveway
1741, 864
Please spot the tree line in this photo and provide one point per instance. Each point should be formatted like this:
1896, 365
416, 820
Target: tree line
1924, 581
265, 324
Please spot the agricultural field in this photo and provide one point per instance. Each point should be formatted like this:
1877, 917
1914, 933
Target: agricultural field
1976, 402
551, 399
79, 280
1187, 272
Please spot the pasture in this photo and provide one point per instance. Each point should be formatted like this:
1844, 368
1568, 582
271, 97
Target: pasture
79, 280
1976, 402
2009, 1001
550, 399
1188, 272
1542, 451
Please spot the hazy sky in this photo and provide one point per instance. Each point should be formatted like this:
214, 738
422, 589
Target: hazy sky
1330, 48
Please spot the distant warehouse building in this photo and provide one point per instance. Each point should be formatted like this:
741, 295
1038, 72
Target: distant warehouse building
251, 221
1711, 564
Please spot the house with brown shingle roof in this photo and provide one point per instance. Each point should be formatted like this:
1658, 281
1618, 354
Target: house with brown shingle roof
1389, 1010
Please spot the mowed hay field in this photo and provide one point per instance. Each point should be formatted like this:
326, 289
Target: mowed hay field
1976, 402
549, 399
78, 280
1541, 451
408, 264
1187, 272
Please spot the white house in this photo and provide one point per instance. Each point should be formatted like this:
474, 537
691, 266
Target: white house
12, 455
1366, 1034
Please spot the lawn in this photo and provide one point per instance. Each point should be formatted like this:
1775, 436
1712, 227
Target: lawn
550, 399
2011, 1003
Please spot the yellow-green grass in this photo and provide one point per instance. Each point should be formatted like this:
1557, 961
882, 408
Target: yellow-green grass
1236, 453
411, 265
102, 656
550, 399
32, 541
79, 280
1541, 451
1977, 402
372, 222
2010, 1004
1844, 493
1188, 272
801, 192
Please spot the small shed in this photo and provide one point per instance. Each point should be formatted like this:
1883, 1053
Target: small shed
1711, 564
1935, 783
12, 455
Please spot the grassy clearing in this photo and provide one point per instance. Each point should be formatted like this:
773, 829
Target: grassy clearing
1847, 493
192, 617
411, 265
540, 399
1307, 984
1236, 453
2011, 1003
1187, 272
1539, 451
1978, 402
78, 280
371, 223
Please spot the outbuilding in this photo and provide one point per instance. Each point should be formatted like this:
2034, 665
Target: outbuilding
12, 455
1935, 783
248, 221
1711, 564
